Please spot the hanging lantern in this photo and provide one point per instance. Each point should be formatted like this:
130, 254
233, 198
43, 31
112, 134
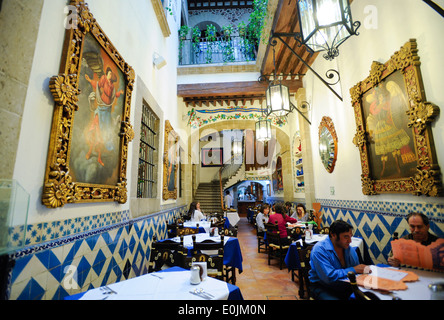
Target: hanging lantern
237, 147
263, 130
326, 24
278, 99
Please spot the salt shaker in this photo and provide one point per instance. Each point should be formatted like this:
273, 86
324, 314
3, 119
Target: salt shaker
195, 275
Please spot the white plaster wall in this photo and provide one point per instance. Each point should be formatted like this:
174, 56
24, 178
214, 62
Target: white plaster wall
133, 29
393, 28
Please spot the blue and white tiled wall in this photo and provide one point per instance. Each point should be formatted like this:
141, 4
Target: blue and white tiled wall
376, 221
67, 257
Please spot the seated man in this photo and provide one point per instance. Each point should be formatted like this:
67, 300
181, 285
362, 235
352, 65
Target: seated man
419, 232
330, 260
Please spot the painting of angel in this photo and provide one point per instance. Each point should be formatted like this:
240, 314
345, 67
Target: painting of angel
95, 148
391, 141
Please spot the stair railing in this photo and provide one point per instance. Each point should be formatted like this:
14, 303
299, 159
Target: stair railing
226, 171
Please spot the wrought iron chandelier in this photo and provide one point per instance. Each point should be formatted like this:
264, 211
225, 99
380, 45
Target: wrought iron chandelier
325, 25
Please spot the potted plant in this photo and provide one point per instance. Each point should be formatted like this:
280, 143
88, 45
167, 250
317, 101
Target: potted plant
227, 31
210, 33
195, 36
242, 29
183, 32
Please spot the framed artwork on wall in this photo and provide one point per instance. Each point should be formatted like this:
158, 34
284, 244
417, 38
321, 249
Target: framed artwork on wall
393, 124
91, 130
212, 157
170, 162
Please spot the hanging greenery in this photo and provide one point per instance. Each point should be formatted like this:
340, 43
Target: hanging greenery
257, 21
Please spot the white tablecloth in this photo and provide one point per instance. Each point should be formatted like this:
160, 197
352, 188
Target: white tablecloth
356, 242
202, 224
188, 239
233, 217
417, 290
173, 285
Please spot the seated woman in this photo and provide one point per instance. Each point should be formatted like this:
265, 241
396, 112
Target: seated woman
194, 212
301, 214
281, 217
261, 217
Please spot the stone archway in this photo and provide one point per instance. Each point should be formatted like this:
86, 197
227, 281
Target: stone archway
282, 146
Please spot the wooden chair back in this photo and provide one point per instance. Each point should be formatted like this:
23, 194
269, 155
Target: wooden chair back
184, 231
304, 259
166, 253
211, 252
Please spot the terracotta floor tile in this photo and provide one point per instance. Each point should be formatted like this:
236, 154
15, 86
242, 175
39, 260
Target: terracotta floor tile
260, 281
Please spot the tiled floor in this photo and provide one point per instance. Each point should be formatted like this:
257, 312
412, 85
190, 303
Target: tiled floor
260, 281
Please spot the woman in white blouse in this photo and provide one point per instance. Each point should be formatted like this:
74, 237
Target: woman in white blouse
195, 213
262, 216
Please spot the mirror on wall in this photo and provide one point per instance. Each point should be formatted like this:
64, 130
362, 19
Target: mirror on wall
328, 144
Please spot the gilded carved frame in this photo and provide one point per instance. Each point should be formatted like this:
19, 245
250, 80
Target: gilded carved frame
60, 187
425, 176
170, 162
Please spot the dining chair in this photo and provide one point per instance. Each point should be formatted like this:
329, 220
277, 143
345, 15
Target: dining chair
211, 252
359, 295
261, 242
276, 247
229, 232
166, 253
324, 230
304, 259
183, 231
296, 233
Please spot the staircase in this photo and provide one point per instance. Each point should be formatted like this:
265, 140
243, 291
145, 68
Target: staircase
239, 175
208, 194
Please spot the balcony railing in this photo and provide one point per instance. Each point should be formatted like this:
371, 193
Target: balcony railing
222, 50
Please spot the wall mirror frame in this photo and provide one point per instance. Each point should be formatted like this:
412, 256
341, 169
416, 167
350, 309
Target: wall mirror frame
393, 128
91, 130
328, 144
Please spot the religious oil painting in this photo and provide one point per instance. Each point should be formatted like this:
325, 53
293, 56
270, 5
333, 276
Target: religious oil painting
391, 142
393, 123
170, 162
95, 145
91, 130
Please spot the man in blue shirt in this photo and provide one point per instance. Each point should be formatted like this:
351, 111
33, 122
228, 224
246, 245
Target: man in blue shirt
330, 260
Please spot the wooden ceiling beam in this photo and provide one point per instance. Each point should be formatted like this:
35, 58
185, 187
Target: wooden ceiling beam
225, 89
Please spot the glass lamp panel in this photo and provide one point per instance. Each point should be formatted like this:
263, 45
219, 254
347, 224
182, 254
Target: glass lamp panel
306, 18
278, 99
348, 21
237, 147
328, 12
263, 130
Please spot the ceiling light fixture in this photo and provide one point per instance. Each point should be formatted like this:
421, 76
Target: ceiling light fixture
325, 25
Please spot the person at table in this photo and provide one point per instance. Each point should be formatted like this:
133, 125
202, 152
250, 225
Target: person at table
194, 212
301, 214
262, 217
290, 211
282, 218
228, 200
419, 232
330, 260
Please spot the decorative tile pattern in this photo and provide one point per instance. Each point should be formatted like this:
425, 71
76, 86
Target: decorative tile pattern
93, 253
376, 221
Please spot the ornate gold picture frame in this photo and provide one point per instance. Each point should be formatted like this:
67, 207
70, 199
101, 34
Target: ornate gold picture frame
393, 128
170, 162
88, 148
